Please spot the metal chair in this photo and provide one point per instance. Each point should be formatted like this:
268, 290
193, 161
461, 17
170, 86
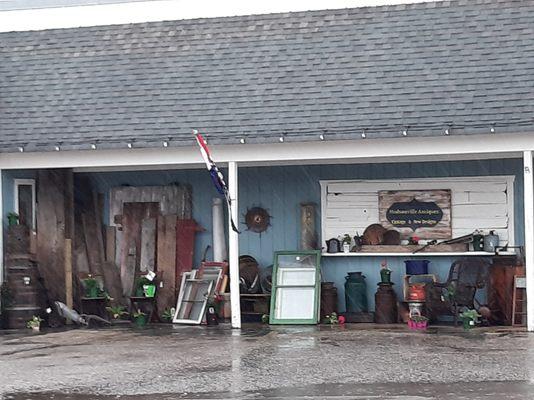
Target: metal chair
466, 276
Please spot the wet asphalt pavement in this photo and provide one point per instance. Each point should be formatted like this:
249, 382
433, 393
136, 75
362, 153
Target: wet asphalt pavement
259, 362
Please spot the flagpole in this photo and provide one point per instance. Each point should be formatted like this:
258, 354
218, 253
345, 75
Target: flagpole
233, 245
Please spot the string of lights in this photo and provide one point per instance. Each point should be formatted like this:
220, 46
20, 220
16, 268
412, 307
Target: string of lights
363, 132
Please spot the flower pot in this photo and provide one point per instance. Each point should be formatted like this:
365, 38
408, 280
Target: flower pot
36, 328
468, 323
140, 320
385, 275
149, 290
346, 247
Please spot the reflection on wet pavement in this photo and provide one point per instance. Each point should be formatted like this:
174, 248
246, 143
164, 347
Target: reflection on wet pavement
262, 362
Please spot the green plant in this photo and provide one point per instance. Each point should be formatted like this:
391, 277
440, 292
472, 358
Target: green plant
90, 285
265, 318
12, 219
346, 239
117, 311
139, 283
35, 322
470, 314
331, 319
168, 314
138, 314
418, 318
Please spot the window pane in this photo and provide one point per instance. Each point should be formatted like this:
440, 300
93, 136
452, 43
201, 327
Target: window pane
295, 303
25, 205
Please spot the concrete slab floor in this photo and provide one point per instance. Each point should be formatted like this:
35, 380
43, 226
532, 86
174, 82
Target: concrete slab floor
262, 362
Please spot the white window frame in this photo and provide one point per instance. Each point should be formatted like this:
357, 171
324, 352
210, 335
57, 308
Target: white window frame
25, 182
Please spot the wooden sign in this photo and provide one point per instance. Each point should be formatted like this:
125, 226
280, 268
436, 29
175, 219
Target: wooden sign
422, 213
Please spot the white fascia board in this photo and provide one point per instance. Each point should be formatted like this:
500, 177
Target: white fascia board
164, 10
377, 150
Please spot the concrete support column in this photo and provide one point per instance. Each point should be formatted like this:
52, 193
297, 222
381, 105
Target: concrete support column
233, 246
528, 187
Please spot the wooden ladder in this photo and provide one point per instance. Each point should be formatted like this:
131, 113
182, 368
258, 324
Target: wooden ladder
519, 301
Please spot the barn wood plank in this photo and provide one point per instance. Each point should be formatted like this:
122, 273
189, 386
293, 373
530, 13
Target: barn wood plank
52, 215
110, 243
166, 262
132, 217
148, 245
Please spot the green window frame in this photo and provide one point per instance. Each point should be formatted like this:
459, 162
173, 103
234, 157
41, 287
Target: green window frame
316, 254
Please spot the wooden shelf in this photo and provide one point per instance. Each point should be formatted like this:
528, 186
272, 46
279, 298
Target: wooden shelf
422, 254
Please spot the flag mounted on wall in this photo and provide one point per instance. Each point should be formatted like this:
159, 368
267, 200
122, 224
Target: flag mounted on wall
216, 176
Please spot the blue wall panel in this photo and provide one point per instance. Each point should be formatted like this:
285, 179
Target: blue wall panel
281, 189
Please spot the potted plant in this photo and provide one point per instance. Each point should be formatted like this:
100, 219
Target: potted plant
12, 219
346, 241
168, 314
418, 322
34, 323
117, 312
139, 318
469, 318
331, 319
91, 287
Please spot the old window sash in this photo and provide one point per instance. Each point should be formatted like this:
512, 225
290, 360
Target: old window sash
295, 287
192, 300
25, 201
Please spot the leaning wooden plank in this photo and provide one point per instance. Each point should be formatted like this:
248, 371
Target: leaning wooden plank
113, 284
133, 215
166, 262
110, 243
148, 245
51, 218
91, 243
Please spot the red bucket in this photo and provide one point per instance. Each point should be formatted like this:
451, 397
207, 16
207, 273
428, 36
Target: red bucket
416, 292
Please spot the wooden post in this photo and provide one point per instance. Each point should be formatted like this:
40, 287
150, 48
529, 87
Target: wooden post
233, 245
68, 275
528, 188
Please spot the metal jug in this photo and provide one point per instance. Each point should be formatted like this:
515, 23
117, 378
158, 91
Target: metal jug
333, 246
491, 242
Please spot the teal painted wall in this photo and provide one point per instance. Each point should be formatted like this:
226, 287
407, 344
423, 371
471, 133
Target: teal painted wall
281, 189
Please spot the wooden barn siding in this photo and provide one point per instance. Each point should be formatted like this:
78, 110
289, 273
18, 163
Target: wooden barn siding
282, 189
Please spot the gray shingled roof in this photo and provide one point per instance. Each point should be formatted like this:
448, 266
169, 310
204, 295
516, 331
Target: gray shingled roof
468, 64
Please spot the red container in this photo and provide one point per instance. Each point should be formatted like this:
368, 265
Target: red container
416, 292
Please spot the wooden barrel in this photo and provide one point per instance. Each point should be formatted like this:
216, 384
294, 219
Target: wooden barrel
26, 296
385, 304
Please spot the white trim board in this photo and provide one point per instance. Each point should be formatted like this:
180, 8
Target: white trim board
473, 198
325, 151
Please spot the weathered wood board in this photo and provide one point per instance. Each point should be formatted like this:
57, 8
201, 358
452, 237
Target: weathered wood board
93, 247
132, 216
148, 245
424, 213
186, 230
479, 202
173, 199
53, 215
166, 262
110, 243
